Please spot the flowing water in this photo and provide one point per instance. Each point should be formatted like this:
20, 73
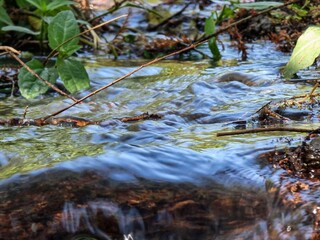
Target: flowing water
170, 178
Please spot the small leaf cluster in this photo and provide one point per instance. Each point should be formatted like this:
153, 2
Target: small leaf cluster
63, 31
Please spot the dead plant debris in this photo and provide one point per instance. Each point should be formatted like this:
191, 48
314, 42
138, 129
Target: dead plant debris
69, 121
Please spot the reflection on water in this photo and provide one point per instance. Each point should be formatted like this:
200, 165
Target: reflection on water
127, 222
62, 204
166, 179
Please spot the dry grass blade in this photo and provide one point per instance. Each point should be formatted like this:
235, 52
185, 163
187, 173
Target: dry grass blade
7, 50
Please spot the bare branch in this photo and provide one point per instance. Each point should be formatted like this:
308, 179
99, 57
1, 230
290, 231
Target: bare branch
269, 129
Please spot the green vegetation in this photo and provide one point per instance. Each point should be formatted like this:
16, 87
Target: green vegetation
53, 21
63, 32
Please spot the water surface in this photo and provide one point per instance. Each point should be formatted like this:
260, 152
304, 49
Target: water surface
156, 179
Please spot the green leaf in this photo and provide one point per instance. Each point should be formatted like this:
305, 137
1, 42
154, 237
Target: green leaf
305, 51
4, 17
70, 51
225, 13
22, 3
63, 27
30, 86
58, 3
298, 10
210, 28
258, 5
73, 74
19, 29
214, 49
39, 4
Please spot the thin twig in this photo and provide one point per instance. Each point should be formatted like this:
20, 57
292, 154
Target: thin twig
265, 105
25, 112
124, 24
12, 87
201, 41
304, 97
269, 129
314, 88
116, 6
9, 49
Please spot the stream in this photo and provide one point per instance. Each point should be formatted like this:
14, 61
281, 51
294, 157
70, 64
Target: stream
170, 178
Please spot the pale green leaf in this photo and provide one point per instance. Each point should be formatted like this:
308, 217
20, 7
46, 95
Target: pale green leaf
61, 28
19, 29
305, 51
47, 19
258, 5
73, 75
30, 86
